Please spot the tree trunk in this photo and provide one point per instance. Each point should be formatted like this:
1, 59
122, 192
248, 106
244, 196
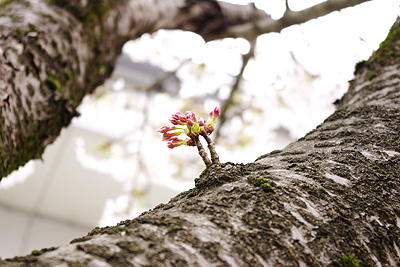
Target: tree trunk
330, 199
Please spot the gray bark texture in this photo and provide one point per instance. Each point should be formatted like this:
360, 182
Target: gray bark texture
330, 199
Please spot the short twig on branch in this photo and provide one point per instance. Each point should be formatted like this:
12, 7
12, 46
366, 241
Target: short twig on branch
202, 152
189, 125
211, 148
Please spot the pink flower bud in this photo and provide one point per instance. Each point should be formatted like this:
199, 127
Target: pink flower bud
174, 142
202, 122
215, 113
190, 116
178, 119
172, 145
177, 115
167, 136
189, 123
210, 124
175, 122
165, 129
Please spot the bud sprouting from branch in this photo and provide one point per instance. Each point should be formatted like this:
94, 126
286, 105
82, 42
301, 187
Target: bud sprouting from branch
189, 125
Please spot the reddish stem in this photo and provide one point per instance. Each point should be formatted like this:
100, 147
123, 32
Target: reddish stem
202, 152
211, 147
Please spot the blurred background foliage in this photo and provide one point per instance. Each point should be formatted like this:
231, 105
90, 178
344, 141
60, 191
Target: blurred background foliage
110, 164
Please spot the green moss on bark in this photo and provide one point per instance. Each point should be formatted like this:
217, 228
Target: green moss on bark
349, 261
67, 75
4, 2
389, 49
37, 252
53, 83
262, 183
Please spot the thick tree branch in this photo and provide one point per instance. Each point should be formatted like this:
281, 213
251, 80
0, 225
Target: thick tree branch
331, 194
267, 25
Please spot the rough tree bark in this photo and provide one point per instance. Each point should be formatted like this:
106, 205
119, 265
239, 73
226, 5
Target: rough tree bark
331, 195
54, 52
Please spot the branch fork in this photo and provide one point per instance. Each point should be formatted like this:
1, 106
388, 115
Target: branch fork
193, 128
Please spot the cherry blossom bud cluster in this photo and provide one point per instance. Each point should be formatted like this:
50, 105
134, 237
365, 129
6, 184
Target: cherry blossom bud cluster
189, 125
